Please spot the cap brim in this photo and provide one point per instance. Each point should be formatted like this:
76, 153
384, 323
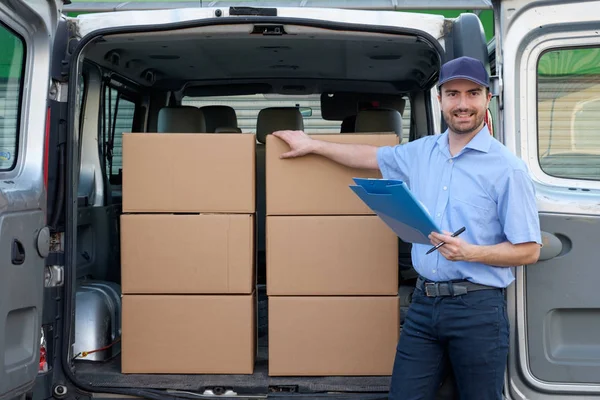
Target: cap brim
468, 78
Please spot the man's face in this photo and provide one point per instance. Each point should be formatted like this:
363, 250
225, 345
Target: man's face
464, 104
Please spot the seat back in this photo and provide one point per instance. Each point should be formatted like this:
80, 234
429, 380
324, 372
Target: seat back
220, 119
379, 120
181, 119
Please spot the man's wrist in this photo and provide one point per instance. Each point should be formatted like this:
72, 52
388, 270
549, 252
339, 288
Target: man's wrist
316, 146
474, 253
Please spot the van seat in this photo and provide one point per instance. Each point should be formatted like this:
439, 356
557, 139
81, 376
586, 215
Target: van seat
274, 119
269, 120
379, 120
220, 119
181, 119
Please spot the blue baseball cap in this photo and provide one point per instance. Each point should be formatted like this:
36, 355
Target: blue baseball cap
464, 68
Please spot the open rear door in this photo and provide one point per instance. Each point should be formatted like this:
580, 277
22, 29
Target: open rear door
26, 34
551, 78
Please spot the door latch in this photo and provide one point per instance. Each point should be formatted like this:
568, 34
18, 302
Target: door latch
18, 252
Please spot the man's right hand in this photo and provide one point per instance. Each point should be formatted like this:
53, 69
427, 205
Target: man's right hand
350, 155
300, 143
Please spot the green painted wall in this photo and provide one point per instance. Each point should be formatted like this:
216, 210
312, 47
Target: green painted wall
11, 55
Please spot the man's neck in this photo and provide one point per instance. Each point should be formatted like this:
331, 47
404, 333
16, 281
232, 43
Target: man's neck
458, 141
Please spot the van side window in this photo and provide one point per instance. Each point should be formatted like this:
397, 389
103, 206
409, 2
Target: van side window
12, 61
569, 113
119, 113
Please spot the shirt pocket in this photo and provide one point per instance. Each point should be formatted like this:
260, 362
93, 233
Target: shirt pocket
479, 210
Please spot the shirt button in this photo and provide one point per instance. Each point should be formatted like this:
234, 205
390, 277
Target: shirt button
434, 271
439, 215
450, 161
445, 187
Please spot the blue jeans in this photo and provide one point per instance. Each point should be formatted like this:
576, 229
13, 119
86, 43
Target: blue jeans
467, 332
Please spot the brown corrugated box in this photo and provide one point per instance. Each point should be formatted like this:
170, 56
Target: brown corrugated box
314, 185
331, 255
188, 334
319, 336
171, 172
193, 254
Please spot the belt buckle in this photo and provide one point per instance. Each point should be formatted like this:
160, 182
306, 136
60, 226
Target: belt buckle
431, 289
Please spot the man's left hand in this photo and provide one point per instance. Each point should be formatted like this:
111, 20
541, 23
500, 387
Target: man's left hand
455, 248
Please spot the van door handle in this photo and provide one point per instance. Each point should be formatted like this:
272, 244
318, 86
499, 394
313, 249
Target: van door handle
18, 252
555, 245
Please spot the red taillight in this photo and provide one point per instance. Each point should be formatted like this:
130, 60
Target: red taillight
43, 359
46, 148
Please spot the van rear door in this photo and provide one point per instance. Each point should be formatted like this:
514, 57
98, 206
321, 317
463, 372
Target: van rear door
550, 66
26, 33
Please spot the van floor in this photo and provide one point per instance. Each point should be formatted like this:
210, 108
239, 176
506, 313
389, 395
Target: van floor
108, 374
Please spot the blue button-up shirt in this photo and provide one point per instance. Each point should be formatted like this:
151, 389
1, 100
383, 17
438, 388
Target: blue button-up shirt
484, 188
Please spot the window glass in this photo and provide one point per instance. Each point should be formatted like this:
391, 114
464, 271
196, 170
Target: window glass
118, 119
12, 59
569, 112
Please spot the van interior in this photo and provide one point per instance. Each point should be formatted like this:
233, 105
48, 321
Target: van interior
232, 77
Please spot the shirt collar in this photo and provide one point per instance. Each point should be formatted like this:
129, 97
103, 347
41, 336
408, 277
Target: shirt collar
480, 142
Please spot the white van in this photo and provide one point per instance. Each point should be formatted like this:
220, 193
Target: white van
70, 87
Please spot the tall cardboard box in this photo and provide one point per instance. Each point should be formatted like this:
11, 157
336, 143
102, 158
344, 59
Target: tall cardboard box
327, 255
189, 173
328, 336
187, 254
315, 185
187, 334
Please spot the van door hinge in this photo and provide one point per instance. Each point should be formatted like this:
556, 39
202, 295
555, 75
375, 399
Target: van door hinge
55, 273
54, 276
59, 91
496, 89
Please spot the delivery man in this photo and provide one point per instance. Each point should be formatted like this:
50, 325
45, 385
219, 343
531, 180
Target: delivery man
465, 178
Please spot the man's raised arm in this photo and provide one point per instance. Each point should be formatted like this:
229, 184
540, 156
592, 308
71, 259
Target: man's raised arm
350, 155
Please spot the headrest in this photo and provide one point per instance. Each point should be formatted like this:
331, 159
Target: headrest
274, 119
379, 120
219, 117
228, 129
181, 119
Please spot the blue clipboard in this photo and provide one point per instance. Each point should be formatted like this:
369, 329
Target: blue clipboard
393, 202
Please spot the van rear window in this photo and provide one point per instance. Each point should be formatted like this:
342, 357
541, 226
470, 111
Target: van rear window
569, 113
12, 60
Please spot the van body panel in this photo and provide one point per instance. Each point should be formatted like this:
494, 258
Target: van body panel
28, 29
555, 336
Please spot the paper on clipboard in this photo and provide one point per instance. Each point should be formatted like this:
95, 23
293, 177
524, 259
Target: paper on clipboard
393, 202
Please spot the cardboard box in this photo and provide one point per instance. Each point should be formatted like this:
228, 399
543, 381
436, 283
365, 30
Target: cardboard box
169, 172
188, 334
331, 255
323, 336
192, 254
315, 185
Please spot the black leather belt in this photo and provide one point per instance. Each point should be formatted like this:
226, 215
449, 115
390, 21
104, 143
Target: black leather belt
449, 288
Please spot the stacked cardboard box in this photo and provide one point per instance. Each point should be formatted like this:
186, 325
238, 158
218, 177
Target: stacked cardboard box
332, 268
187, 253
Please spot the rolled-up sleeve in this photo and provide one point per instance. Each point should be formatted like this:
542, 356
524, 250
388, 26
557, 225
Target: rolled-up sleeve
517, 209
393, 162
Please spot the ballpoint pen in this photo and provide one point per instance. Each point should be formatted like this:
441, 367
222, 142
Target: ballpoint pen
437, 246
